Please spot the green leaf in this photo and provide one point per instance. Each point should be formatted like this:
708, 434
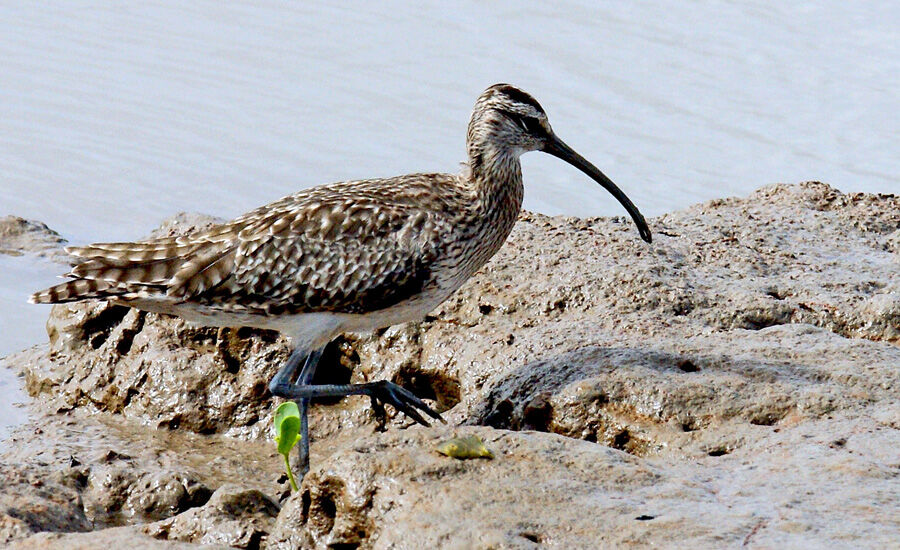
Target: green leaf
285, 410
289, 434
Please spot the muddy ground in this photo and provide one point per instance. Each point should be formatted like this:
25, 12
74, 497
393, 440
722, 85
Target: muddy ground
736, 383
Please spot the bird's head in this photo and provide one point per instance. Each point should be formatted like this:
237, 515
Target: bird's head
508, 122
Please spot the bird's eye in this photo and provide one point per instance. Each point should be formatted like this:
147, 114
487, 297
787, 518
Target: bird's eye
529, 124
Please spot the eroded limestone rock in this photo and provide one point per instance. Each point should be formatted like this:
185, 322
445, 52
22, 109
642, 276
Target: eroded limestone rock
19, 236
735, 383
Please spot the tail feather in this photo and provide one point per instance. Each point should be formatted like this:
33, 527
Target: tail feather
161, 266
79, 289
133, 252
154, 272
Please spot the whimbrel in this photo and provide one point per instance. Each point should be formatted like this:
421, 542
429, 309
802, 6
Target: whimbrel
347, 257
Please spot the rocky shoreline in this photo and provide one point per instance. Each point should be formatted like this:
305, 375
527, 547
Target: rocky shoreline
737, 383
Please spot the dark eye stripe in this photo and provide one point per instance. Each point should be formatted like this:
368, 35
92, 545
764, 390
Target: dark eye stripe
529, 124
533, 125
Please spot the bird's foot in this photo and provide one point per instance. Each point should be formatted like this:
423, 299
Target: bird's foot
401, 399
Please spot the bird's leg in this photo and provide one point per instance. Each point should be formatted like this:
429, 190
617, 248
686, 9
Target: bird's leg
386, 392
305, 378
282, 382
282, 385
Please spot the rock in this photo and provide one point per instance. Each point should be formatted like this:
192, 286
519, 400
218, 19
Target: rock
116, 494
19, 236
115, 538
103, 471
32, 503
184, 222
750, 352
717, 275
392, 490
235, 517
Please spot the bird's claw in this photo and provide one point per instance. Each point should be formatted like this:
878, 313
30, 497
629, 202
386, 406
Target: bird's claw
404, 401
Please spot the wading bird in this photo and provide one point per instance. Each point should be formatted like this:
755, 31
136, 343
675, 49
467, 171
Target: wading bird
346, 257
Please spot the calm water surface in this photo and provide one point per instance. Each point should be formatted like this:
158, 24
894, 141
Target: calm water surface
114, 116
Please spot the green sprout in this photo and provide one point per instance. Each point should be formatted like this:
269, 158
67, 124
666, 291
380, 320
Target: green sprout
287, 434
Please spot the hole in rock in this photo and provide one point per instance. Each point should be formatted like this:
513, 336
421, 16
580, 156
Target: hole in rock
718, 452
256, 539
501, 416
533, 537
682, 308
765, 419
335, 367
328, 507
305, 502
97, 328
686, 365
323, 507
690, 425
442, 389
538, 413
171, 423
621, 440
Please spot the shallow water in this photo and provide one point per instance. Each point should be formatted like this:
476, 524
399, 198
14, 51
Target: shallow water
113, 117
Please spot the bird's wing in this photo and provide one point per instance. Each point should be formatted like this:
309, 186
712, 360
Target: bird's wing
349, 247
335, 254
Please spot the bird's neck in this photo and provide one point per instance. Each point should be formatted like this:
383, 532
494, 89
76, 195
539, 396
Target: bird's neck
496, 178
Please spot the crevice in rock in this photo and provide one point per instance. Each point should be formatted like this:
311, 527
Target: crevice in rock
690, 425
336, 366
538, 413
766, 419
686, 365
126, 340
620, 440
774, 293
759, 323
323, 508
98, 328
442, 389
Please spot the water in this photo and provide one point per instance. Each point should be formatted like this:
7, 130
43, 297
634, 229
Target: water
115, 116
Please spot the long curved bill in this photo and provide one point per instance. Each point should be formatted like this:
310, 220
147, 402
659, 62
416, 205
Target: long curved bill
559, 149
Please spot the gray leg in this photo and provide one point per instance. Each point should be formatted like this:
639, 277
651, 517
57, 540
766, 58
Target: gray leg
283, 379
305, 378
282, 385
